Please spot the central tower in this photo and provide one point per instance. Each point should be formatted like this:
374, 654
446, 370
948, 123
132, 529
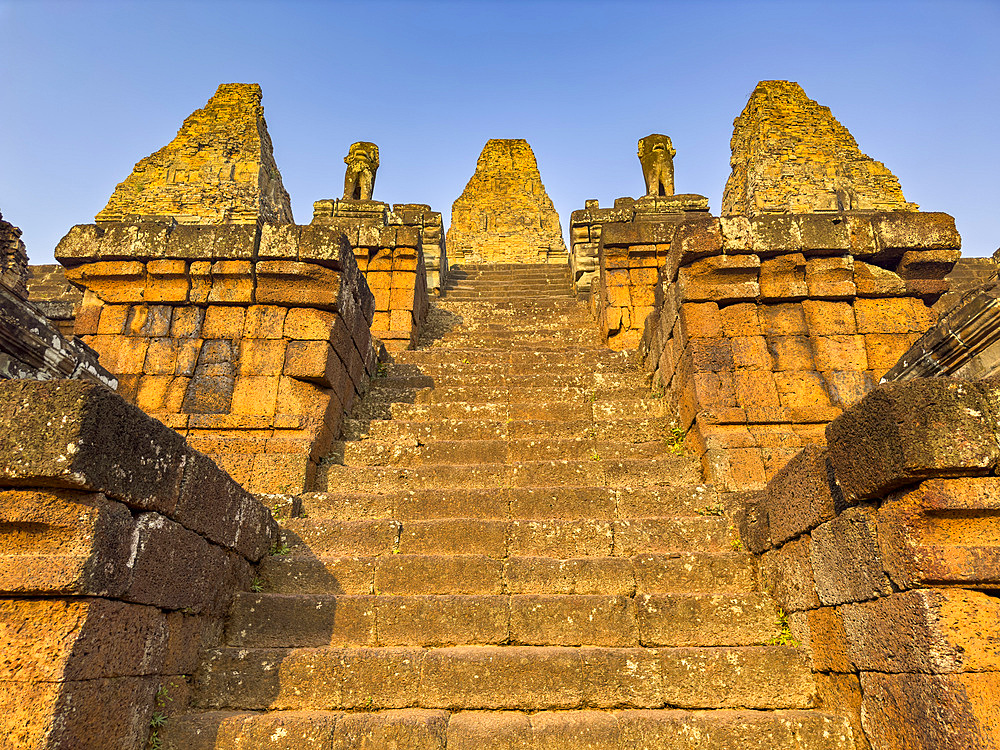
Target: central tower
504, 214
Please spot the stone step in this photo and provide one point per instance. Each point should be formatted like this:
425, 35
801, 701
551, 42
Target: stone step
259, 620
429, 729
402, 431
520, 678
499, 539
512, 503
389, 405
679, 572
513, 379
382, 390
666, 471
382, 406
569, 355
370, 452
488, 295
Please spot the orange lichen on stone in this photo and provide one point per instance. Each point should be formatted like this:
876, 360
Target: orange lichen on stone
504, 214
219, 169
791, 155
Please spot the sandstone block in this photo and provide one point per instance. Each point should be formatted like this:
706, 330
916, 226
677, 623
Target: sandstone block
802, 495
770, 235
98, 442
291, 283
213, 505
56, 640
177, 569
845, 557
701, 320
831, 277
942, 531
873, 281
790, 353
568, 620
740, 319
63, 542
900, 433
232, 282
723, 278
752, 522
839, 353
751, 352
916, 231
894, 315
783, 277
416, 729
931, 712
926, 630
786, 573
783, 320
828, 641
105, 713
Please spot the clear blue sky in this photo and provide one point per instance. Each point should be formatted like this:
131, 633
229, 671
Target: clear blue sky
89, 87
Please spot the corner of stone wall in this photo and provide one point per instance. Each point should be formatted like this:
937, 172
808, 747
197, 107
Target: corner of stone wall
121, 550
390, 248
766, 328
251, 341
883, 547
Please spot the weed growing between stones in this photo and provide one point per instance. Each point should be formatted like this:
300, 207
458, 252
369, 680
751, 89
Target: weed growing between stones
785, 637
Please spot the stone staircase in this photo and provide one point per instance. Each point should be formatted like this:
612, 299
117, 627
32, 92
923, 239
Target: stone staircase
507, 552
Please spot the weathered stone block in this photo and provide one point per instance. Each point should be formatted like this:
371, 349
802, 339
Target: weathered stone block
828, 640
291, 283
722, 278
64, 542
213, 505
783, 277
926, 630
903, 432
802, 495
845, 558
786, 573
55, 640
176, 568
942, 531
98, 442
931, 712
831, 278
907, 230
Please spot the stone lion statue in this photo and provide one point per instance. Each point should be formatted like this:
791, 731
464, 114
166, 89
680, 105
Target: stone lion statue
362, 163
656, 154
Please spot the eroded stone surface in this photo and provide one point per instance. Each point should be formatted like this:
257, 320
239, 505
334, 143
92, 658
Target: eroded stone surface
504, 214
791, 154
219, 169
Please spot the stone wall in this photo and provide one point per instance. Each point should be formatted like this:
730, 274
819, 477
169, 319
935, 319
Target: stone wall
389, 249
585, 238
504, 214
121, 550
252, 342
13, 259
883, 547
769, 327
791, 155
219, 169
51, 293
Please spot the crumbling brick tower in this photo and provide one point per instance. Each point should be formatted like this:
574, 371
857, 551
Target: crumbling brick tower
504, 214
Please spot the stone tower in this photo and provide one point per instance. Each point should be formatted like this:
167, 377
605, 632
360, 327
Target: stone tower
791, 155
504, 214
219, 169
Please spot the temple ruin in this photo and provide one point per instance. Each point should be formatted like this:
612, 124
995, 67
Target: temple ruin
312, 486
504, 214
